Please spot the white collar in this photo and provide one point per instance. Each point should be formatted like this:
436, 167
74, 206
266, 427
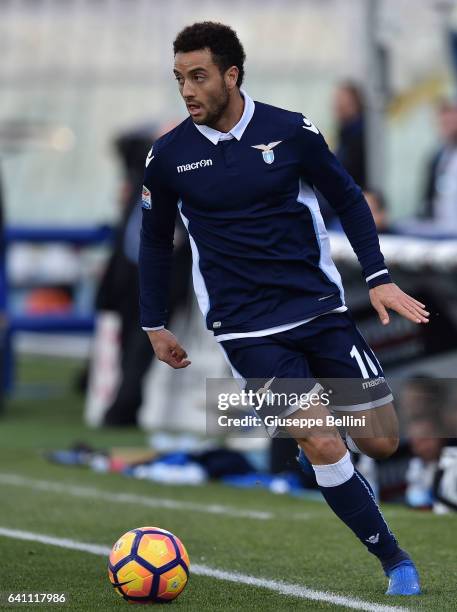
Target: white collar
237, 130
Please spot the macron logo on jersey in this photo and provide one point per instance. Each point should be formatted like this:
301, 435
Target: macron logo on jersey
194, 165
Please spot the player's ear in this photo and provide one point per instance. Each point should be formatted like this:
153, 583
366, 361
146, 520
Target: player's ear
231, 77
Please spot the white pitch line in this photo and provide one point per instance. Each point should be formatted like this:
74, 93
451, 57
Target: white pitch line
291, 590
130, 498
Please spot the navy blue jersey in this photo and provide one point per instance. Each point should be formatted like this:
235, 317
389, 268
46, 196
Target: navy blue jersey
261, 254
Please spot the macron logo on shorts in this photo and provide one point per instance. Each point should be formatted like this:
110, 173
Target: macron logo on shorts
194, 165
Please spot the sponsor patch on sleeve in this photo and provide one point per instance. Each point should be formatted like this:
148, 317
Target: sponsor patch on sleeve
146, 198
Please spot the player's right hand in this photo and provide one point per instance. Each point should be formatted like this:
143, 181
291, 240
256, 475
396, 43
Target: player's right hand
167, 348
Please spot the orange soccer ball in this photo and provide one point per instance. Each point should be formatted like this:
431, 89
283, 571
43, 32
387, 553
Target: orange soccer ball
148, 565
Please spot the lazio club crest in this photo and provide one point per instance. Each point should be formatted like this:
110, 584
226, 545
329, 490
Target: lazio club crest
267, 151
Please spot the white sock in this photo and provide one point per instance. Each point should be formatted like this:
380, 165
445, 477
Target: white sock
334, 474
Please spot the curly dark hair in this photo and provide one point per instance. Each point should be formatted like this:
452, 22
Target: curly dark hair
220, 39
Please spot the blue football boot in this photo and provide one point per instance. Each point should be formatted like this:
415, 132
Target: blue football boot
404, 579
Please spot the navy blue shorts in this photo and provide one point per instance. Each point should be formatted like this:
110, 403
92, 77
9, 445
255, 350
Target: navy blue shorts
326, 353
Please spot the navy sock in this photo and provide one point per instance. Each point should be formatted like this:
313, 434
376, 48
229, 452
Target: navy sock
363, 479
353, 502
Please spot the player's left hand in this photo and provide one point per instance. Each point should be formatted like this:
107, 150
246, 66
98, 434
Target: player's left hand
390, 296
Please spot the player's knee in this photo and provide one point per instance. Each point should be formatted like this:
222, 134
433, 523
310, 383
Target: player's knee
387, 447
324, 449
379, 448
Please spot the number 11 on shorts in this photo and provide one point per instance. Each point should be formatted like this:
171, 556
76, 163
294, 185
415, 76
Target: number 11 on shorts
355, 354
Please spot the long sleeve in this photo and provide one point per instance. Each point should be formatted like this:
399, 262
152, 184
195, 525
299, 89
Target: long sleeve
159, 204
322, 169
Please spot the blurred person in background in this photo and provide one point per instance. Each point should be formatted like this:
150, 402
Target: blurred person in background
350, 150
348, 108
440, 193
423, 407
378, 207
119, 292
379, 210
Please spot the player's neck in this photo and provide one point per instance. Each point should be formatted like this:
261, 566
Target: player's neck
232, 114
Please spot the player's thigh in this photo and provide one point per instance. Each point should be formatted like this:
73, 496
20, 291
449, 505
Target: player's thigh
379, 435
273, 368
264, 358
379, 422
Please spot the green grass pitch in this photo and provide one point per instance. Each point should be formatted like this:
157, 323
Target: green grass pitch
299, 543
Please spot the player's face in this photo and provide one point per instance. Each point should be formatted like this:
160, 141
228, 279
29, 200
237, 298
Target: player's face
202, 86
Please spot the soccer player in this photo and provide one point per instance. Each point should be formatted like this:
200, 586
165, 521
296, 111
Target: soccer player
242, 175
